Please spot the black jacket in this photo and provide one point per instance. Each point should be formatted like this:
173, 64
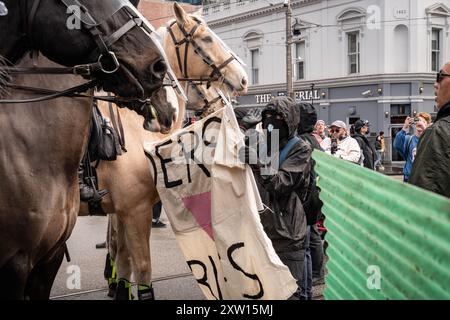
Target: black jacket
370, 154
431, 167
283, 193
308, 119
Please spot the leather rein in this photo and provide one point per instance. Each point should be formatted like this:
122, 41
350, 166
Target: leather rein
102, 53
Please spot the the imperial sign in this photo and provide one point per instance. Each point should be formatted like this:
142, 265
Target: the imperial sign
303, 95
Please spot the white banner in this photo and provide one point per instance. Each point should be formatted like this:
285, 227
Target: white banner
212, 203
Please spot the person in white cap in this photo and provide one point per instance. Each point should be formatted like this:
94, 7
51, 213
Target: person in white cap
340, 144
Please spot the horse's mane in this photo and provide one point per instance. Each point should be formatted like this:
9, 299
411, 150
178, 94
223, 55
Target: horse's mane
4, 77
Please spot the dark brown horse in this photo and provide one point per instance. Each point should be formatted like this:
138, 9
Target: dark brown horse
42, 143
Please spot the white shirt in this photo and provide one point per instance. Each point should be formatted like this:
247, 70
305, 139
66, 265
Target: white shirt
348, 149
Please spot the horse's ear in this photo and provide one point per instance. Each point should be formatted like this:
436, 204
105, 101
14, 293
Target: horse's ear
180, 14
135, 2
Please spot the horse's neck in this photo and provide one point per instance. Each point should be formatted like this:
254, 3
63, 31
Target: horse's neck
57, 129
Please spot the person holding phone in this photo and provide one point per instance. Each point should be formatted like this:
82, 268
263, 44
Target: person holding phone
406, 144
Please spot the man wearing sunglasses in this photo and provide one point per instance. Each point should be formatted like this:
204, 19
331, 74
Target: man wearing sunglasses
340, 144
431, 168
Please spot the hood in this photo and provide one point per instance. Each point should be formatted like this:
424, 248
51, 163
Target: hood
308, 117
286, 107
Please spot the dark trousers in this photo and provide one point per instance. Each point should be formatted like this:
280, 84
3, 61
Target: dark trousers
300, 266
317, 255
295, 261
157, 208
307, 273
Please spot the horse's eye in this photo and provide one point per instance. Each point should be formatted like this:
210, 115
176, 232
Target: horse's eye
207, 39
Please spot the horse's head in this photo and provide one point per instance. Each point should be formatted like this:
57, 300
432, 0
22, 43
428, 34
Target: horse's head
202, 54
73, 32
203, 100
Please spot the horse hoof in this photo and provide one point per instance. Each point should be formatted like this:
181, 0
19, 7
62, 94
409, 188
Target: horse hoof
112, 290
146, 293
123, 291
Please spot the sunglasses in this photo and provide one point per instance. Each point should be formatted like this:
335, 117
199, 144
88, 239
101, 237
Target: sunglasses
440, 75
335, 130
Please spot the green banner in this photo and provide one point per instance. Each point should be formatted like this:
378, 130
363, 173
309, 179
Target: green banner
387, 239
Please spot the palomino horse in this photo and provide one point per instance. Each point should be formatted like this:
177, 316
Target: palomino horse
42, 142
133, 210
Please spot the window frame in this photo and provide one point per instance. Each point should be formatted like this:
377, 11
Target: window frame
357, 53
254, 71
438, 51
301, 61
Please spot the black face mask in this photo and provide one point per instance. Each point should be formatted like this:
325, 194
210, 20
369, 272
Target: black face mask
271, 124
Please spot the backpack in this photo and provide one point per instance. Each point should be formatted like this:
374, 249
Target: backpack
104, 143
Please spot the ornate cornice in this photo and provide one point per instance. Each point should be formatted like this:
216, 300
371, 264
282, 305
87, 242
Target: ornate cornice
258, 13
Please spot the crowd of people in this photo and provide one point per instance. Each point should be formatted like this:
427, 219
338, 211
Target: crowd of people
290, 194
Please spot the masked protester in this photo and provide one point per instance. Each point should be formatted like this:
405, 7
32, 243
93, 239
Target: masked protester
368, 150
284, 190
431, 168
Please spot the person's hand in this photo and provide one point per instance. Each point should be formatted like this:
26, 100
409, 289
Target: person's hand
408, 122
248, 155
252, 118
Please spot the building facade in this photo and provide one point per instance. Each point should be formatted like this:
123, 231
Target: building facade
369, 59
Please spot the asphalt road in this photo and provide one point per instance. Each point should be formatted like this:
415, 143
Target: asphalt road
172, 277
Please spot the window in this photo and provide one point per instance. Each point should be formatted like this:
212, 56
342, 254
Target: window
353, 52
300, 60
435, 50
255, 65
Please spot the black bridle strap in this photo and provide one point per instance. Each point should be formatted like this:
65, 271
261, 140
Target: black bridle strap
216, 73
71, 92
118, 127
82, 70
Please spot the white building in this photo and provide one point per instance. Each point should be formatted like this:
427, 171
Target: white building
370, 59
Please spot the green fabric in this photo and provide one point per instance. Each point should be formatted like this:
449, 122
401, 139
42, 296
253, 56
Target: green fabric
387, 239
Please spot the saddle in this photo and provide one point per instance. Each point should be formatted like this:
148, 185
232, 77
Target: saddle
106, 142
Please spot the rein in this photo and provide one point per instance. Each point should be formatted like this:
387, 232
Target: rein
107, 61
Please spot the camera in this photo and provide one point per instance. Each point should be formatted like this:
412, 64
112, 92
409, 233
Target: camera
414, 120
334, 146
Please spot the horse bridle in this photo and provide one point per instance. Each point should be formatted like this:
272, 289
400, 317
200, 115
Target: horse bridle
208, 104
216, 74
102, 52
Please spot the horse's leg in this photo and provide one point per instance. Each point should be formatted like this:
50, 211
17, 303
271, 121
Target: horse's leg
13, 277
137, 227
40, 281
123, 265
110, 272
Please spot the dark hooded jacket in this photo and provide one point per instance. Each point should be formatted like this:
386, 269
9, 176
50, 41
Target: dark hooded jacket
283, 193
308, 119
431, 167
369, 152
